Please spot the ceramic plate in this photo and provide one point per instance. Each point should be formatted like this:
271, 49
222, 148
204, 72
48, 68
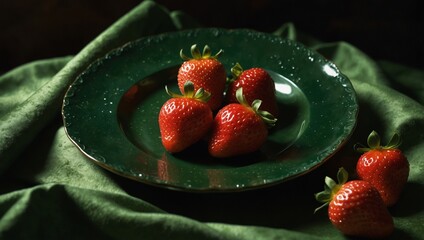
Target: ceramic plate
110, 111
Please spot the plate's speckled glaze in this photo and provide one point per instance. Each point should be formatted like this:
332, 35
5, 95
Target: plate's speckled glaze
110, 111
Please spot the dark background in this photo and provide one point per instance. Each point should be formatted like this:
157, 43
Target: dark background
385, 30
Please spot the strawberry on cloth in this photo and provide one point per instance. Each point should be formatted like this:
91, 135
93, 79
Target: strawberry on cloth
355, 207
385, 167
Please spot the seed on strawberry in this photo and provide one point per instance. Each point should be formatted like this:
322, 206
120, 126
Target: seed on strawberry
206, 72
239, 128
256, 84
385, 167
355, 207
184, 119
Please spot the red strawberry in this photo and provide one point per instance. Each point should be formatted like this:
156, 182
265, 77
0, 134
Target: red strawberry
355, 207
184, 119
206, 72
239, 128
385, 167
257, 84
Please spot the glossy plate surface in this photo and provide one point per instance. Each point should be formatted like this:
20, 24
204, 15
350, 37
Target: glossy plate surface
110, 111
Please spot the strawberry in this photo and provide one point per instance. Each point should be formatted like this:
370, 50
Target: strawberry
184, 119
239, 128
385, 167
257, 84
355, 207
206, 72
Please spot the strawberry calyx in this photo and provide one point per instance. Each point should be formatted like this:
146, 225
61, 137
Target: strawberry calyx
236, 71
331, 188
374, 143
188, 92
196, 54
267, 117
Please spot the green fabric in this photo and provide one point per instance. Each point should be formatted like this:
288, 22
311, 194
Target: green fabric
49, 190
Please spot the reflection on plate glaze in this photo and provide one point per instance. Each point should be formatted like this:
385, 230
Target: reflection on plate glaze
283, 88
110, 111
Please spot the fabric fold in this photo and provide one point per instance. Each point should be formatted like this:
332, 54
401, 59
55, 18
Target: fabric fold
87, 214
23, 122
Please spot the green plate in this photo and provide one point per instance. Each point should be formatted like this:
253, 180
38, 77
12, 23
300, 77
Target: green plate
110, 111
